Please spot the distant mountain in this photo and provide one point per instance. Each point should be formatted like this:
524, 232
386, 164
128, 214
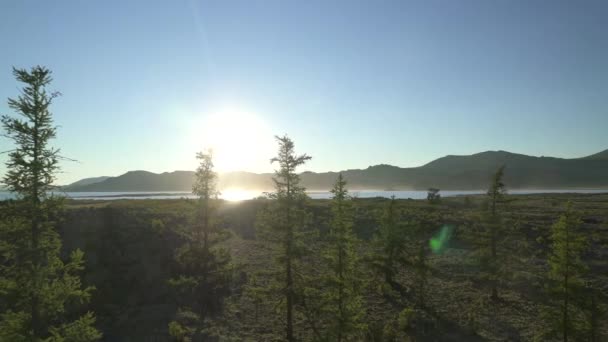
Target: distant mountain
88, 181
140, 181
451, 172
598, 156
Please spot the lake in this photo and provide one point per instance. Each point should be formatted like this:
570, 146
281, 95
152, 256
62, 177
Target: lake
239, 195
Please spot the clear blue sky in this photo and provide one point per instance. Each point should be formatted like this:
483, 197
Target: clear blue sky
354, 83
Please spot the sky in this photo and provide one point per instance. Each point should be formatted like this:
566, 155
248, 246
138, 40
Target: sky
146, 84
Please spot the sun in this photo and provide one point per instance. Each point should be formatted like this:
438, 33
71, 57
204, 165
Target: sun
240, 140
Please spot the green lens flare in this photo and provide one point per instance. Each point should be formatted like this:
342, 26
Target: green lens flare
439, 242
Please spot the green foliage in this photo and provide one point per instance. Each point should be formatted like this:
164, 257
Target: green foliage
204, 274
185, 326
395, 328
283, 226
205, 179
491, 233
488, 239
389, 241
567, 245
595, 305
405, 318
32, 165
129, 259
342, 300
131, 245
433, 196
80, 330
565, 278
256, 293
40, 291
497, 189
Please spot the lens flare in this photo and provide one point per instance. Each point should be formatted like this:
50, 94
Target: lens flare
440, 241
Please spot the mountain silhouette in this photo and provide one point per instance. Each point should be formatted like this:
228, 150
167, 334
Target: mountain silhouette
469, 172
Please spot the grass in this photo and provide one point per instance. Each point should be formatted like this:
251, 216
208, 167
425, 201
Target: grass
126, 236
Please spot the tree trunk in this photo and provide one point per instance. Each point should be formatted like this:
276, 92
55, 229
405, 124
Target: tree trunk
289, 298
493, 248
340, 294
288, 256
565, 313
494, 264
37, 327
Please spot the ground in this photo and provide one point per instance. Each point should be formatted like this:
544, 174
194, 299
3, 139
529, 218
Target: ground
130, 247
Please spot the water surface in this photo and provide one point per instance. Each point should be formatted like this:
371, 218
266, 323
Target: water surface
237, 195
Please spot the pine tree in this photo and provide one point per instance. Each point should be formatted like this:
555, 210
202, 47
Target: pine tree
497, 238
204, 273
38, 290
493, 226
283, 225
594, 303
389, 242
433, 196
342, 281
565, 274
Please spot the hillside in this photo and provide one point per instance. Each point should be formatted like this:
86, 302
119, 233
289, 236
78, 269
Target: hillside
451, 172
88, 181
598, 156
140, 181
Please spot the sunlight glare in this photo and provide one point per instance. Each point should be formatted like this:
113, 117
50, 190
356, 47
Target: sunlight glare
235, 195
240, 140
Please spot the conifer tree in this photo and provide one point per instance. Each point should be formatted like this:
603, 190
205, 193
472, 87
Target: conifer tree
488, 233
283, 226
595, 304
389, 242
342, 282
204, 274
493, 225
38, 290
565, 274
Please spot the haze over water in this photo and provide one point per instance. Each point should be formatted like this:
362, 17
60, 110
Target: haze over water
241, 195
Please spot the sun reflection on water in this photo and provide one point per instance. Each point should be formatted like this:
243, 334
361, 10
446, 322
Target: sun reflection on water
235, 195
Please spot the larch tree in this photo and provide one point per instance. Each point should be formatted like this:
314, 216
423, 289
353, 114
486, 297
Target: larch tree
433, 195
204, 266
40, 293
342, 283
496, 234
565, 276
389, 241
283, 225
493, 224
594, 301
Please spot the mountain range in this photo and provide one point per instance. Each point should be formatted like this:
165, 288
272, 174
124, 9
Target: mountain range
470, 172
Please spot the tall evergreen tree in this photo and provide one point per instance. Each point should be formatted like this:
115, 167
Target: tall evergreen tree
283, 225
565, 274
38, 289
594, 302
493, 225
204, 274
497, 190
342, 283
389, 242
